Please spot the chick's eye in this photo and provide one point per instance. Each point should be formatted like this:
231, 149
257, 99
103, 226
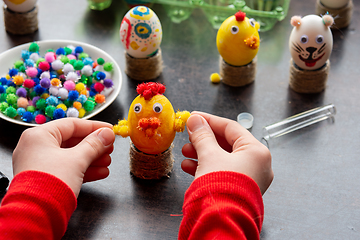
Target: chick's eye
157, 107
234, 29
137, 108
252, 22
304, 39
319, 39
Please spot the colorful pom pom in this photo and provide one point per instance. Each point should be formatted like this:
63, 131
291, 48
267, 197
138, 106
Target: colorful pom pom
27, 117
40, 119
69, 85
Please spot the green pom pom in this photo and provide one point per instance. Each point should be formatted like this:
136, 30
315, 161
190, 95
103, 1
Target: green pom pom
30, 109
32, 94
67, 50
22, 68
108, 66
72, 61
11, 99
64, 59
89, 106
3, 106
68, 103
78, 65
18, 64
11, 89
49, 50
83, 55
40, 60
41, 104
49, 111
3, 97
100, 61
10, 112
34, 47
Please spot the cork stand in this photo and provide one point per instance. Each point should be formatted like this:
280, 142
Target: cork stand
21, 23
342, 16
237, 76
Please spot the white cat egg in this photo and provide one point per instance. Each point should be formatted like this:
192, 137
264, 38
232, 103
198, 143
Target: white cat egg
336, 4
141, 32
20, 5
311, 41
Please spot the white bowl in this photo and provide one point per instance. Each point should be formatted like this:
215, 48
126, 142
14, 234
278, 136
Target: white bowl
8, 58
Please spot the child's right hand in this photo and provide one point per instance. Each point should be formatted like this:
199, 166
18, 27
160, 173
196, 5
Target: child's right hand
220, 144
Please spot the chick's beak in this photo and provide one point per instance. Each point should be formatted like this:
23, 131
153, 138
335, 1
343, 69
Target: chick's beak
252, 42
149, 125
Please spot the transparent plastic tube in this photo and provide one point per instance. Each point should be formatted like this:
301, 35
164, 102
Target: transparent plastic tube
298, 121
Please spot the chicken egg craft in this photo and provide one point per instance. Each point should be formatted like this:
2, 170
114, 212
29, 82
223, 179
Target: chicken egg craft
310, 45
151, 125
20, 16
342, 9
141, 35
238, 43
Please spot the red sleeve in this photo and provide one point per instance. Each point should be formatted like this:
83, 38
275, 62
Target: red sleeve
36, 206
222, 205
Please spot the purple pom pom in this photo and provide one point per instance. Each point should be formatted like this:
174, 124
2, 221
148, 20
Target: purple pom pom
45, 83
108, 83
21, 92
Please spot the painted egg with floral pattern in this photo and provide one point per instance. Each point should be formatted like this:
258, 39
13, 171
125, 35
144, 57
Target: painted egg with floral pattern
141, 32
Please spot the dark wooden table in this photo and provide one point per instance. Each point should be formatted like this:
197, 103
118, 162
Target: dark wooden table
315, 193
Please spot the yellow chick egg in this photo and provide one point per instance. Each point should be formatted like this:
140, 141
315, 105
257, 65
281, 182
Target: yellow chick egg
238, 39
152, 123
20, 5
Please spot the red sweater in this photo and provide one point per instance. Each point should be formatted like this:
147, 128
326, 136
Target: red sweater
221, 205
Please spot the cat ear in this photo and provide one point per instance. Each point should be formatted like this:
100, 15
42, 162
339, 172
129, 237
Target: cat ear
328, 20
295, 21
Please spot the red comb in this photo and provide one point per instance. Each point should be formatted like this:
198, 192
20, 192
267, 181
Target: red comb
150, 89
240, 16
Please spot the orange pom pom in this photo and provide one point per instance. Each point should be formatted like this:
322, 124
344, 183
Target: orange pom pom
99, 98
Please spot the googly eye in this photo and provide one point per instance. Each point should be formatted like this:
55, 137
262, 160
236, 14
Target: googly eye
304, 39
252, 22
234, 29
137, 108
157, 107
319, 39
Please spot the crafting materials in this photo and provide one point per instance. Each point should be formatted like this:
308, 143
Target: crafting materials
245, 119
299, 121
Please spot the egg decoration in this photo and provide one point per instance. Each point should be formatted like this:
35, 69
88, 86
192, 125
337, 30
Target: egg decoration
141, 32
311, 41
238, 39
335, 4
20, 5
152, 122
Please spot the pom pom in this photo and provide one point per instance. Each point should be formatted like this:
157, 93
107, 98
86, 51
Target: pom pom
69, 85
45, 83
79, 49
10, 89
18, 80
10, 112
25, 54
27, 117
2, 89
21, 92
108, 67
100, 61
83, 55
11, 98
29, 63
63, 93
73, 76
82, 112
52, 100
49, 111
73, 95
99, 98
40, 119
108, 83
20, 111
87, 70
60, 51
34, 47
77, 105
13, 72
30, 109
100, 76
82, 99
240, 16
215, 78
54, 91
34, 100
3, 106
39, 89
99, 87
62, 106
34, 57
44, 66
72, 112
89, 105
29, 83
78, 65
79, 87
31, 72
150, 89
22, 102
41, 104
68, 68
59, 113
55, 82
88, 61
50, 57
57, 65
295, 21
328, 20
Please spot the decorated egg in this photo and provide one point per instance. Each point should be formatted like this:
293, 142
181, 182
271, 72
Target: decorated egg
238, 39
20, 5
140, 32
334, 3
311, 41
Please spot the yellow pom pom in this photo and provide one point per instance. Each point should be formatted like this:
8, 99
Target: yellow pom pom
82, 112
180, 120
62, 106
79, 87
18, 80
45, 95
7, 77
121, 128
215, 78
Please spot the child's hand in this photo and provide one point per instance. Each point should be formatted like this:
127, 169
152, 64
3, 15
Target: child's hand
71, 149
221, 144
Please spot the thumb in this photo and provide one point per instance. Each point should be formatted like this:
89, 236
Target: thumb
96, 144
201, 135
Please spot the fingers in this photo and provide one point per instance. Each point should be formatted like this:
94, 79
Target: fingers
189, 151
189, 166
95, 173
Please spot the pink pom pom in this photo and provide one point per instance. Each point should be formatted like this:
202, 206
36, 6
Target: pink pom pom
50, 57
31, 72
44, 66
295, 21
71, 56
40, 119
69, 85
328, 20
99, 87
29, 83
22, 102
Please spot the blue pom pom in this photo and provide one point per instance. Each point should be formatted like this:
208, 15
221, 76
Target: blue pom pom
27, 116
2, 89
100, 76
13, 72
92, 93
39, 72
88, 61
10, 83
60, 51
82, 98
29, 63
37, 112
36, 81
73, 95
3, 81
79, 49
25, 54
52, 100
21, 111
59, 113
39, 89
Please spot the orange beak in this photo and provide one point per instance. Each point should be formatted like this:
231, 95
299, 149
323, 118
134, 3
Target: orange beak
149, 125
252, 42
